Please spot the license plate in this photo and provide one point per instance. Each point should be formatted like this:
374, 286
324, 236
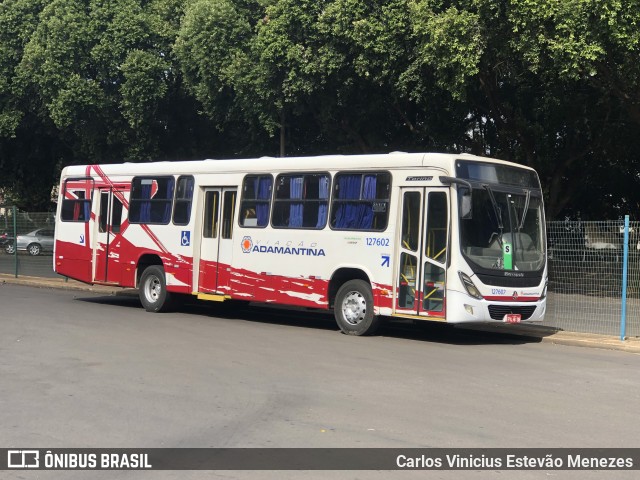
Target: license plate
512, 318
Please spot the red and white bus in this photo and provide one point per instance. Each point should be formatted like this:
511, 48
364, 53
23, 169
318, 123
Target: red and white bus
453, 238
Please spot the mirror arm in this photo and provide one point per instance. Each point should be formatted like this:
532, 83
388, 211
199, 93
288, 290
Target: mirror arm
449, 180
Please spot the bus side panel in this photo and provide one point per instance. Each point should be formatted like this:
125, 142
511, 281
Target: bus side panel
178, 268
277, 289
297, 291
73, 260
285, 267
73, 256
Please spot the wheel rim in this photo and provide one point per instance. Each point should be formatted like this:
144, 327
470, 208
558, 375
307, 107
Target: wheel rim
34, 250
354, 308
152, 289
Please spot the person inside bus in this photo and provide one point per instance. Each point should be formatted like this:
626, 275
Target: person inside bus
250, 218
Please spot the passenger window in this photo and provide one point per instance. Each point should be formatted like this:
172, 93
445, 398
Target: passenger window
256, 200
76, 202
361, 201
151, 200
184, 196
301, 201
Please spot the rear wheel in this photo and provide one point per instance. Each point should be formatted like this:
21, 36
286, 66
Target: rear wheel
34, 249
353, 309
10, 248
153, 290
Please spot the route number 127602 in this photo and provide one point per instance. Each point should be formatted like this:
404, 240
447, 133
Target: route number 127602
377, 242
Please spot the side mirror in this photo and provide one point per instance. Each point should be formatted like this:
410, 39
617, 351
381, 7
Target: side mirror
464, 199
464, 195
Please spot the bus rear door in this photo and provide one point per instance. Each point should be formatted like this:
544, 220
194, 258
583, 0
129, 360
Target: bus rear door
106, 261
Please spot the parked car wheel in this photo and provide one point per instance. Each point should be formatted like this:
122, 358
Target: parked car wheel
34, 249
10, 249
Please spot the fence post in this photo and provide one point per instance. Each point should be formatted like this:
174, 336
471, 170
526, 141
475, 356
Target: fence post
623, 319
14, 214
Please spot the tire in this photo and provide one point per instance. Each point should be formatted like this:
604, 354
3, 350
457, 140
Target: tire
34, 249
353, 309
153, 290
10, 249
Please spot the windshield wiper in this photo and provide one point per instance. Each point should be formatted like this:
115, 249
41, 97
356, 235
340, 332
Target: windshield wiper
526, 209
496, 207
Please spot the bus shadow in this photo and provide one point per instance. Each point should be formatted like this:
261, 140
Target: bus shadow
444, 333
423, 331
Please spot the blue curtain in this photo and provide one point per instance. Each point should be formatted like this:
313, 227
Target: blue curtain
296, 208
323, 186
166, 218
356, 215
87, 210
262, 186
347, 213
145, 204
366, 209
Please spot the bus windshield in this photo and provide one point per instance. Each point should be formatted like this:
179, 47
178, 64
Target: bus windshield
505, 230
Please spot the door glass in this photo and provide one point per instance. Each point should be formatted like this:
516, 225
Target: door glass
411, 220
211, 201
433, 300
435, 250
104, 212
227, 214
436, 239
116, 215
407, 281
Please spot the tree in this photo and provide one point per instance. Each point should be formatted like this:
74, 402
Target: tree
553, 84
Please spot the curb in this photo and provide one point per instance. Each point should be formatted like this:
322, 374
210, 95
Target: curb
544, 334
60, 282
561, 337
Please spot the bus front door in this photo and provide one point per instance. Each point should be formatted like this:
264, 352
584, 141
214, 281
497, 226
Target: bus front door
422, 253
216, 246
106, 260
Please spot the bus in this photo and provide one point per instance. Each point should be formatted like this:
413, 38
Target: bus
422, 236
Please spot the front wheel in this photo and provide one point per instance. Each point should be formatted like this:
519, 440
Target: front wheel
153, 290
353, 309
10, 249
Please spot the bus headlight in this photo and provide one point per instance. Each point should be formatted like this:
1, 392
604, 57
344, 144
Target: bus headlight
469, 286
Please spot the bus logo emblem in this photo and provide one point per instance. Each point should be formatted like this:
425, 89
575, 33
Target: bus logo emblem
247, 244
515, 295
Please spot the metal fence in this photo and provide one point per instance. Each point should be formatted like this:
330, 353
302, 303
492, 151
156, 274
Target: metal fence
32, 254
586, 266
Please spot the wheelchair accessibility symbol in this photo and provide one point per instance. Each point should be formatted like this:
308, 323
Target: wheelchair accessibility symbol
185, 241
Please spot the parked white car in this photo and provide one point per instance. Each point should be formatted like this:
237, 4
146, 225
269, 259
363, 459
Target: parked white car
36, 242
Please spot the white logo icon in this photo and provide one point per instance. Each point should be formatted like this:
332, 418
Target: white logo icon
23, 458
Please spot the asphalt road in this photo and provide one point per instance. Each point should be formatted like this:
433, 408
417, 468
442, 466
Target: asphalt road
82, 370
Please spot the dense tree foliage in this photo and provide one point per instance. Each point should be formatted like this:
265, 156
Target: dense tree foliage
554, 84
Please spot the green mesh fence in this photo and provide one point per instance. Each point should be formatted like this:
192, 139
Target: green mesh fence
26, 242
585, 267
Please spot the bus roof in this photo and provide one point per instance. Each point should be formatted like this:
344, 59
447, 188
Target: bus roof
392, 160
